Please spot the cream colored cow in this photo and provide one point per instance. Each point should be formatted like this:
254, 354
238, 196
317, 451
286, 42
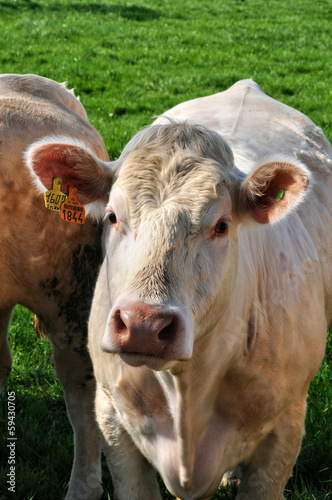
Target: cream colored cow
210, 312
46, 264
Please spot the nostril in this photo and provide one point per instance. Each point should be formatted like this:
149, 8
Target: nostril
119, 324
168, 333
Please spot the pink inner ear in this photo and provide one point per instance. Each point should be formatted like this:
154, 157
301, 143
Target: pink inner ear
54, 160
267, 182
74, 166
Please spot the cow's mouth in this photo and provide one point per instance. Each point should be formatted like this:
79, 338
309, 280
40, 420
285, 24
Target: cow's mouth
136, 359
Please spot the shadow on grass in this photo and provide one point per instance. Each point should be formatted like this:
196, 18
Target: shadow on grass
131, 12
42, 453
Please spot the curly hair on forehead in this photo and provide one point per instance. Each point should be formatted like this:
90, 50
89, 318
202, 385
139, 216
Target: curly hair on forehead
191, 138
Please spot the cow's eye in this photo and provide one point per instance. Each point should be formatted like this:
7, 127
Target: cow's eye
221, 228
112, 218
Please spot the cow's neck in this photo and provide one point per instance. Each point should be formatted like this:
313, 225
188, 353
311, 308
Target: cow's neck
188, 391
178, 392
192, 388
183, 430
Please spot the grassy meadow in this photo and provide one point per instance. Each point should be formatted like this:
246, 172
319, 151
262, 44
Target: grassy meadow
129, 62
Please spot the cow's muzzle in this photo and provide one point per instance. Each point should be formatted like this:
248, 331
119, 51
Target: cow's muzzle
143, 334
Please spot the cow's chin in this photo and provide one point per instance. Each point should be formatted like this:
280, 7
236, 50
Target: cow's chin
153, 362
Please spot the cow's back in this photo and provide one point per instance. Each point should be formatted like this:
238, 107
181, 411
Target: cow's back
32, 107
255, 125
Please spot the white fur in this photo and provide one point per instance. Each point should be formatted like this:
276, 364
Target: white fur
260, 299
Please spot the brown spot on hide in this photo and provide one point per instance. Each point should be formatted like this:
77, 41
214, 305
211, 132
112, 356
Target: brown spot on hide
73, 293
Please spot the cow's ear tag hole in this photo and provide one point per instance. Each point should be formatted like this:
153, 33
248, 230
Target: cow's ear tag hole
54, 197
280, 195
71, 209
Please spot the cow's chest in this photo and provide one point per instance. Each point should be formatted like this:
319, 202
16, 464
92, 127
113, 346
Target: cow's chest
191, 446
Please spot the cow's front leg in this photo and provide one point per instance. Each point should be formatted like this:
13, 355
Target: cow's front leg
266, 474
74, 370
133, 477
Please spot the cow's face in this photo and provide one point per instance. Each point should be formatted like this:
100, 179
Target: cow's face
170, 235
167, 246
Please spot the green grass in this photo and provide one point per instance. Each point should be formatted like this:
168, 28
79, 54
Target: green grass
136, 60
130, 62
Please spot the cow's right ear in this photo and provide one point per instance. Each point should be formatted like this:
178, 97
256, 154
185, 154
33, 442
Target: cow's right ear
74, 164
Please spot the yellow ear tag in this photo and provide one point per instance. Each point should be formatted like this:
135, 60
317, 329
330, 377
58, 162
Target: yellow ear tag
71, 209
54, 197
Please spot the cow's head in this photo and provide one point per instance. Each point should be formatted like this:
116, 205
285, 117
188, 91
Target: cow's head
174, 205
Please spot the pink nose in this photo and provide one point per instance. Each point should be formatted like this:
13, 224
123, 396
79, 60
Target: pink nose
139, 328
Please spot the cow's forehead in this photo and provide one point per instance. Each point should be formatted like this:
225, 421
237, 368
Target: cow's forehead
179, 181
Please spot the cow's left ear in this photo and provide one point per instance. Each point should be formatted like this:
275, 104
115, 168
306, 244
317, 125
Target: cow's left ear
272, 190
74, 164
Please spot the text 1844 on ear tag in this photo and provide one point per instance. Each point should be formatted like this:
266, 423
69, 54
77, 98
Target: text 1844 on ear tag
54, 197
71, 209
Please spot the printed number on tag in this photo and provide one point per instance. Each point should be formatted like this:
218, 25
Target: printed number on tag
54, 197
71, 209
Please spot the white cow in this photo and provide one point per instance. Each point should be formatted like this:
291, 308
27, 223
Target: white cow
210, 312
